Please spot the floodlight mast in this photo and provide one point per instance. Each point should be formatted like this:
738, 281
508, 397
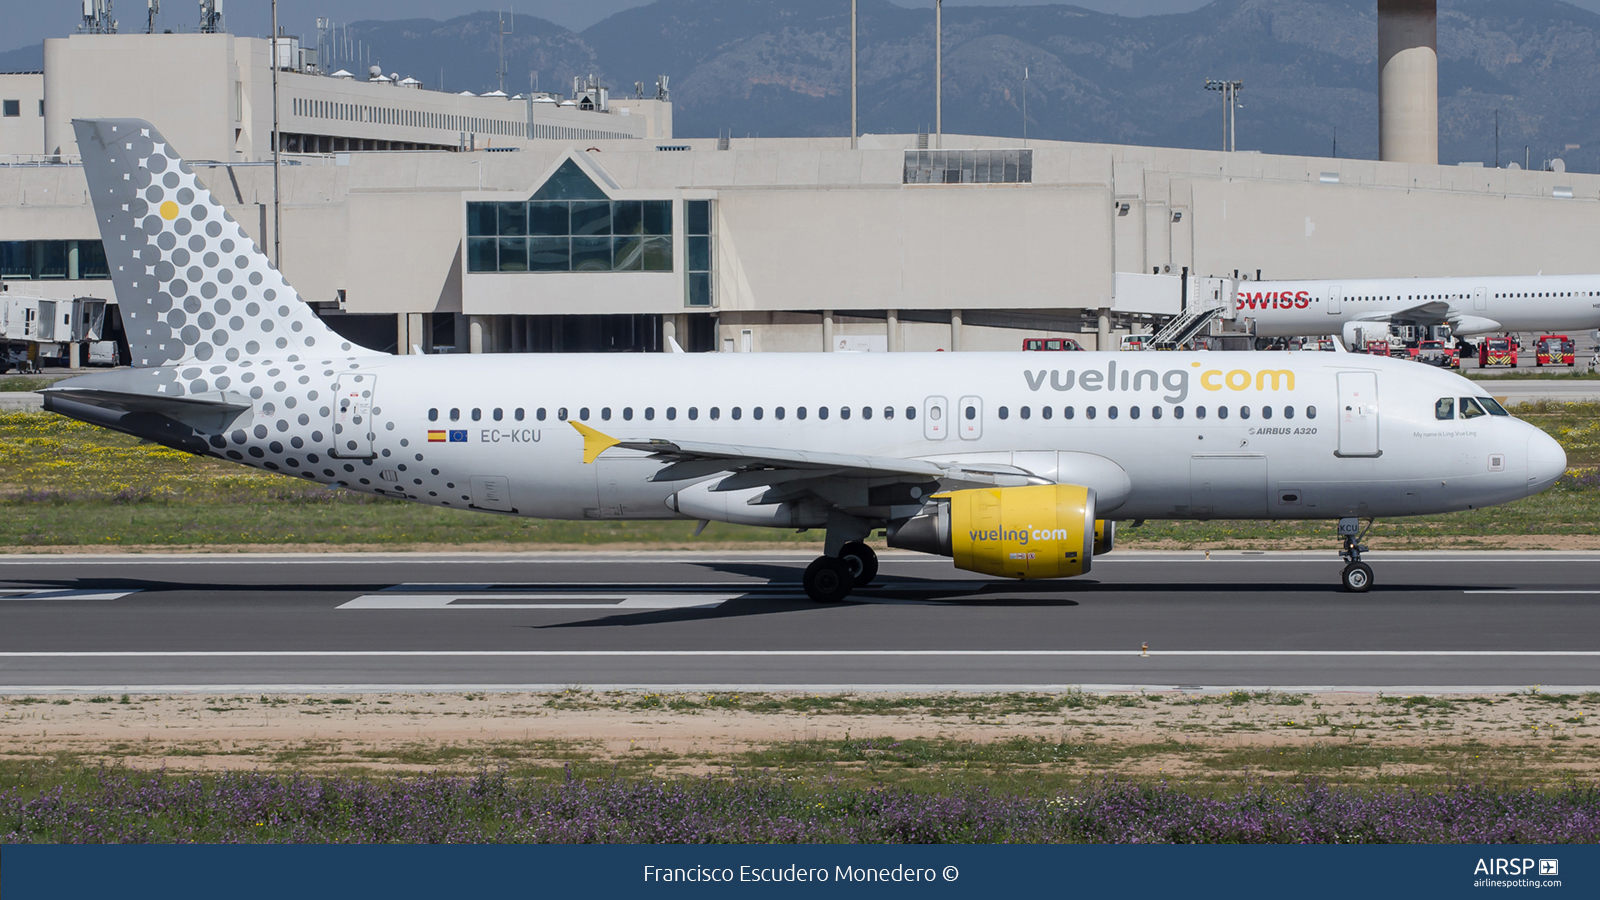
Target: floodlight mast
1230, 104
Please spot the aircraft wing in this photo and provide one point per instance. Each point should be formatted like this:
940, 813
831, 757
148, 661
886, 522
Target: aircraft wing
1434, 312
766, 466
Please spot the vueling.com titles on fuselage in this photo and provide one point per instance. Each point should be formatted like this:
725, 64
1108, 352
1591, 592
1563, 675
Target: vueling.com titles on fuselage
1174, 381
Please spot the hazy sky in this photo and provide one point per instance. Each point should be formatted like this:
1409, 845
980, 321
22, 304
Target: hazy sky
24, 22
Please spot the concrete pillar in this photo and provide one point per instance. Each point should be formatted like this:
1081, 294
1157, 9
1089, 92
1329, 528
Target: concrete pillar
74, 361
827, 331
1408, 81
1102, 340
417, 331
892, 321
402, 335
955, 330
475, 329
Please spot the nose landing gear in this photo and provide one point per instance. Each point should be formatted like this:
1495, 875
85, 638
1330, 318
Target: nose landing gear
1357, 575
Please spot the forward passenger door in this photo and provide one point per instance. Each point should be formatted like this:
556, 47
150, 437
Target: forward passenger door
1358, 414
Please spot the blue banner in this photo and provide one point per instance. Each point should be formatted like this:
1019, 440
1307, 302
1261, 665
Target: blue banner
314, 872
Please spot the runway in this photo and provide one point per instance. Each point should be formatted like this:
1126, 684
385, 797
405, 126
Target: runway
1434, 621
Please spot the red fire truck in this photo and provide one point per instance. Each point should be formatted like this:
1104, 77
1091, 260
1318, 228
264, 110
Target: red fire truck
1497, 351
1556, 350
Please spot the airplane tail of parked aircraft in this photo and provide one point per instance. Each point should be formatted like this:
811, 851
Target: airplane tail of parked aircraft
193, 287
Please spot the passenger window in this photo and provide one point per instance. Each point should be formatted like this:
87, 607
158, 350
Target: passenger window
1288, 412
866, 412
972, 413
1026, 413
540, 414
716, 413
694, 413
1046, 411
1155, 412
1133, 412
757, 413
1003, 411
672, 414
583, 413
649, 413
800, 412
477, 415
562, 413
627, 414
822, 412
433, 415
1266, 412
499, 414
1222, 412
1089, 411
778, 413
1111, 413
1067, 412
1199, 412
1311, 412
1244, 412
1470, 408
1493, 406
844, 412
1445, 409
605, 414
1177, 412
518, 414
737, 413
888, 412
455, 415
911, 413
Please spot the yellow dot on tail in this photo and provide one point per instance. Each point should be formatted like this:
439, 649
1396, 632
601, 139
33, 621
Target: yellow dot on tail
169, 210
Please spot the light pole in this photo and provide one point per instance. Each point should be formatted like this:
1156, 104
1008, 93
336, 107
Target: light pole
1230, 102
853, 131
938, 74
277, 205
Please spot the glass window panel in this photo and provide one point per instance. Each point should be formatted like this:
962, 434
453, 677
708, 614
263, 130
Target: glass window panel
658, 254
697, 216
591, 218
699, 258
569, 183
549, 254
481, 256
627, 217
482, 219
699, 284
591, 254
548, 218
92, 260
627, 254
513, 219
657, 216
14, 259
513, 254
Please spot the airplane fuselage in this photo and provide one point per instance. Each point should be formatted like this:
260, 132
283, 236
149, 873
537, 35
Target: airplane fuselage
1551, 303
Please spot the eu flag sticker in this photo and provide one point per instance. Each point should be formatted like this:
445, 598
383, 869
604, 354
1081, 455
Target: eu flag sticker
458, 437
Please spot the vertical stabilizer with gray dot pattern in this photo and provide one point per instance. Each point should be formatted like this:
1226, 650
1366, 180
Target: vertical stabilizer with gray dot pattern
191, 284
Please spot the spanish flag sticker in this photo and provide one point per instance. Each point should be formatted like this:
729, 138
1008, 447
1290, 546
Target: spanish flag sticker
435, 436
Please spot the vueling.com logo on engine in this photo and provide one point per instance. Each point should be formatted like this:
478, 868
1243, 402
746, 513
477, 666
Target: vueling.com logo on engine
1174, 381
1020, 535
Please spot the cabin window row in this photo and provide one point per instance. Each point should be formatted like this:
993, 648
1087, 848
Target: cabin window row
1155, 412
714, 413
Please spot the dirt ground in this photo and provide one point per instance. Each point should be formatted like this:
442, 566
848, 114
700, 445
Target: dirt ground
1132, 734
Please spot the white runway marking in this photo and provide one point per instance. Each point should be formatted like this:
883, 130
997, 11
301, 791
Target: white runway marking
646, 654
1528, 591
595, 600
643, 595
25, 594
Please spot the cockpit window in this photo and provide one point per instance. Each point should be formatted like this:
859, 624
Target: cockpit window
1493, 406
1470, 408
1445, 409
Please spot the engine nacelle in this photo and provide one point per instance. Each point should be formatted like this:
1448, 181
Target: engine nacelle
702, 501
1039, 531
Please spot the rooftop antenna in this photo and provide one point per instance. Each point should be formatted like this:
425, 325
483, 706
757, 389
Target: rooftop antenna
97, 18
211, 16
501, 72
1024, 106
154, 9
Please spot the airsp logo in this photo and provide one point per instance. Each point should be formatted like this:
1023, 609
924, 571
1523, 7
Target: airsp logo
1516, 867
1549, 867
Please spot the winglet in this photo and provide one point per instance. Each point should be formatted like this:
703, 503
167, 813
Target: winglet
594, 443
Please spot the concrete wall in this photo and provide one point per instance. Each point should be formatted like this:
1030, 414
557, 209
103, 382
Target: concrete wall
24, 134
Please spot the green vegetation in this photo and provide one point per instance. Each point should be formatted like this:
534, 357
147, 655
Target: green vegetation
64, 483
1577, 374
23, 383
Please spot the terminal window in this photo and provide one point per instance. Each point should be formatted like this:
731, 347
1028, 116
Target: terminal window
570, 236
969, 167
70, 260
697, 256
13, 108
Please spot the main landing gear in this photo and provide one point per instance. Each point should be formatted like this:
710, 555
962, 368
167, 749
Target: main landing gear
1357, 575
830, 579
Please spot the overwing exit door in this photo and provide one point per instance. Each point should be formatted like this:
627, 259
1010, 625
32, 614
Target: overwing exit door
352, 416
1358, 414
969, 418
935, 418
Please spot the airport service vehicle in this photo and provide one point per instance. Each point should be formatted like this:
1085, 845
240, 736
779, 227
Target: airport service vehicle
1135, 342
1497, 351
1555, 350
1015, 465
1435, 353
1470, 306
1053, 344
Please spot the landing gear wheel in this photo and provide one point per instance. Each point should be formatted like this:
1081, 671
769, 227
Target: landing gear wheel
1357, 577
861, 559
828, 580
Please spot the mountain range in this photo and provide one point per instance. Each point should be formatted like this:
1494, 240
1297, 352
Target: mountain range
782, 68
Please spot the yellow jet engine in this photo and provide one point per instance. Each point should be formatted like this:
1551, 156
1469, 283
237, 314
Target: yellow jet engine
1038, 531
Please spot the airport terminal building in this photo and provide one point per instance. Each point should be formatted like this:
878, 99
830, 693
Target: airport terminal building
415, 219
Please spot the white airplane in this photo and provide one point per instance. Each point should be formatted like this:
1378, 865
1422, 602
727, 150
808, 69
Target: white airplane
1013, 465
1470, 306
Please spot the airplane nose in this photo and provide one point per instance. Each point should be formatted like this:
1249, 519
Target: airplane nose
1546, 461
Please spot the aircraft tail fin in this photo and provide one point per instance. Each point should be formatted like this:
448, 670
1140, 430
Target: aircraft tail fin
192, 285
